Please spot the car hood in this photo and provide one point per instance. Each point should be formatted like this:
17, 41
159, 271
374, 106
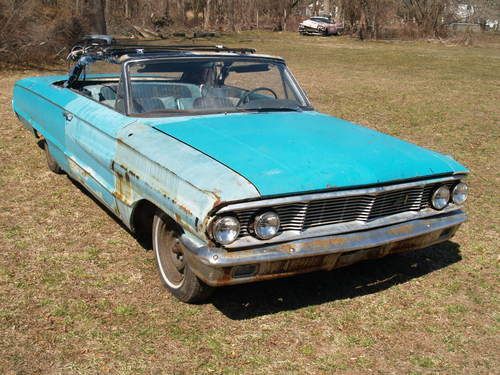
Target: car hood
291, 152
311, 23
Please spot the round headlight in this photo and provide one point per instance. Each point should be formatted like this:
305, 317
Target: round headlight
440, 197
226, 229
266, 225
459, 193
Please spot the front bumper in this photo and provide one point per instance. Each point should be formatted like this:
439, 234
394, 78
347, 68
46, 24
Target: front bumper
217, 266
311, 30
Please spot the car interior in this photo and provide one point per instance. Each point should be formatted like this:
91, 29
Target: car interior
185, 87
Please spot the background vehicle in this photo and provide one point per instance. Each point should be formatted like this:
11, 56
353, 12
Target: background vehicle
321, 26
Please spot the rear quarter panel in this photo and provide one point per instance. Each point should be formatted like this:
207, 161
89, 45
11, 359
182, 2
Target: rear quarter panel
39, 105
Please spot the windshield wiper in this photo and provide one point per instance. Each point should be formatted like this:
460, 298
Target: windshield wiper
158, 112
273, 109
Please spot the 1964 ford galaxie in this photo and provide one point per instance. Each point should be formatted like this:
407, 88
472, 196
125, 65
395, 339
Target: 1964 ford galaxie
217, 156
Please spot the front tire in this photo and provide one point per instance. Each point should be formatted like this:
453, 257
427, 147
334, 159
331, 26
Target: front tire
175, 273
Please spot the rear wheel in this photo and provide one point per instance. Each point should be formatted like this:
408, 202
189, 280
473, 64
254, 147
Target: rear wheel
51, 162
175, 273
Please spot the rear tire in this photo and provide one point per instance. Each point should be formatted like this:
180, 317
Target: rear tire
175, 273
51, 162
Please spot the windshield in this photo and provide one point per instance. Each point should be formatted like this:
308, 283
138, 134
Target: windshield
211, 85
321, 19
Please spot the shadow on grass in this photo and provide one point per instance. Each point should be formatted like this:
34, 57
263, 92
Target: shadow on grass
268, 297
251, 300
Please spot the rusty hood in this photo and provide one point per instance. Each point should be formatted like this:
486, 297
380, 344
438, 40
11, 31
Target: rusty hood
293, 152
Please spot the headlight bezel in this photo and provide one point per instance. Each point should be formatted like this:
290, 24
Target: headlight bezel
265, 216
441, 189
454, 193
216, 232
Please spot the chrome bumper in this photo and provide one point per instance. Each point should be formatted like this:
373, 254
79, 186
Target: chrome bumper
217, 266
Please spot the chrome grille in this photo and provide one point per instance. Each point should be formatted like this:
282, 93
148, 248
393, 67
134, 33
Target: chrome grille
303, 215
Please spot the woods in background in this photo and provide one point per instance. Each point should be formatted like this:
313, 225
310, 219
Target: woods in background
31, 29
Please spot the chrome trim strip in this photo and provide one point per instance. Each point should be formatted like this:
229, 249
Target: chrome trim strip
332, 194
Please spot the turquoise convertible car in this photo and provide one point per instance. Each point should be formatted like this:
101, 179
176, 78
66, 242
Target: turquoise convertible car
216, 156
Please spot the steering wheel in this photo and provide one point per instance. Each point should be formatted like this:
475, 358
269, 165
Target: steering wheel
115, 90
245, 96
203, 90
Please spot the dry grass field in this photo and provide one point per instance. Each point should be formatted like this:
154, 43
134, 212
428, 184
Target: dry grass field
78, 294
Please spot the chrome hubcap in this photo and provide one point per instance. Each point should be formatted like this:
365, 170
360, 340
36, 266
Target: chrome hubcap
170, 255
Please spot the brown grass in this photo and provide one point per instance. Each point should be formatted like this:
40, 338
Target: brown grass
79, 295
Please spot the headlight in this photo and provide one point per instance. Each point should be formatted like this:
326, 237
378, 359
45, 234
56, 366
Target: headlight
459, 193
226, 229
440, 197
266, 225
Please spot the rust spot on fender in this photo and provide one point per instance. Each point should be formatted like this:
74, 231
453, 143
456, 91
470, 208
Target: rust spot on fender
178, 218
218, 200
184, 208
133, 174
123, 190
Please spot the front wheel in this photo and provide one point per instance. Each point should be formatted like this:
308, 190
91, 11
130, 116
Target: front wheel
175, 273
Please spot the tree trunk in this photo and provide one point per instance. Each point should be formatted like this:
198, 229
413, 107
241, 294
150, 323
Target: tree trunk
232, 16
206, 15
97, 17
284, 19
362, 23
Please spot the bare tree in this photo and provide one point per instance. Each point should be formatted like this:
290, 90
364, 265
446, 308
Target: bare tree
94, 12
427, 14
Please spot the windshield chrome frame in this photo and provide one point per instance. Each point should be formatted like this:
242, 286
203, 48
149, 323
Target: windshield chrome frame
128, 96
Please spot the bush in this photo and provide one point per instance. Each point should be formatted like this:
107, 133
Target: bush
35, 33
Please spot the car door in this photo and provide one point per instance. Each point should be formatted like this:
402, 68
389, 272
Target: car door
91, 140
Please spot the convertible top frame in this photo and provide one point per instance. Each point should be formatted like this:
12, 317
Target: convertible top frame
108, 47
104, 47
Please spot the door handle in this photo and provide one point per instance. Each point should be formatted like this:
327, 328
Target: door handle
68, 116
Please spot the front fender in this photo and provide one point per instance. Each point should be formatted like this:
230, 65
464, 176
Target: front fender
185, 183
